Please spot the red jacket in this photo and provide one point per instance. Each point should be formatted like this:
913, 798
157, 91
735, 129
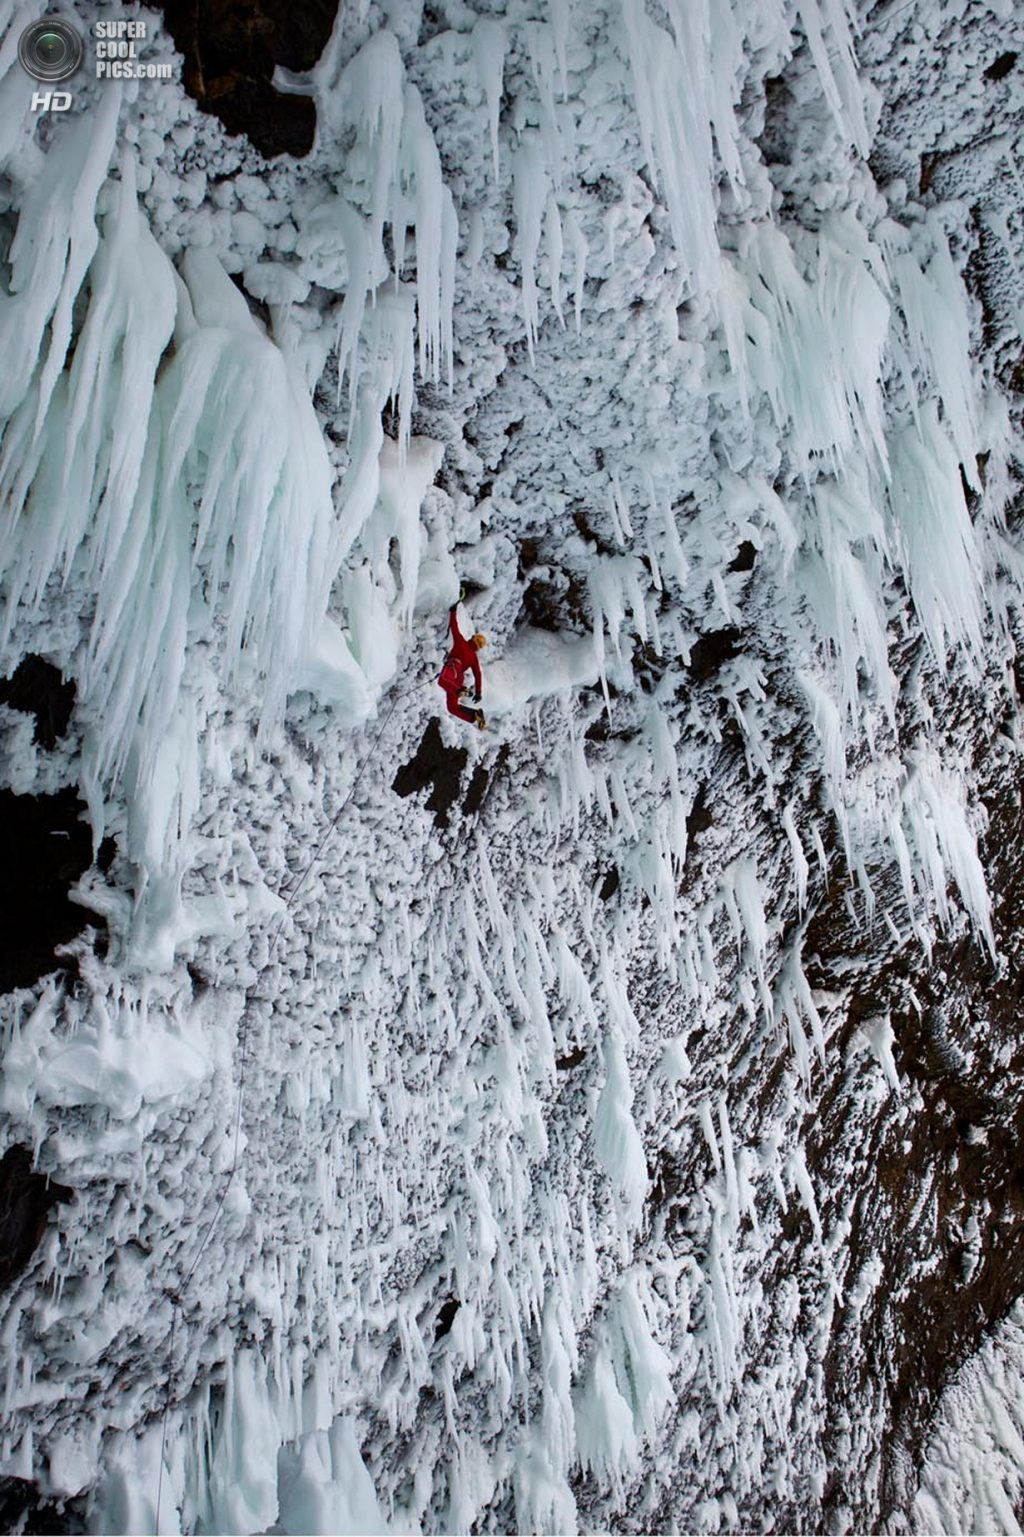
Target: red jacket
462, 657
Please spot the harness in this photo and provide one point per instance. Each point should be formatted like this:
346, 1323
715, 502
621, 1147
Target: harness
452, 675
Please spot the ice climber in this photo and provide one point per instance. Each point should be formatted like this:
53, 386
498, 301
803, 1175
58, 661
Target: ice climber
462, 659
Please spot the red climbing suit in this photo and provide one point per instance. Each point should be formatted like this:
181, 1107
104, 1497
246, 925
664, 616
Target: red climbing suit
462, 658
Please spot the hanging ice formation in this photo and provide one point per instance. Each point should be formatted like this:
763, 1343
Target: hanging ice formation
96, 456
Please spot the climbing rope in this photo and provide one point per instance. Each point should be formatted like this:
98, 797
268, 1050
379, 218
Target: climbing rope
890, 13
288, 892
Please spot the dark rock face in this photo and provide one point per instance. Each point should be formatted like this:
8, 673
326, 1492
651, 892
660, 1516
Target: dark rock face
744, 557
712, 651
483, 781
45, 846
38, 688
943, 1212
231, 48
1001, 67
446, 1317
25, 1202
477, 790
570, 1060
435, 765
22, 1509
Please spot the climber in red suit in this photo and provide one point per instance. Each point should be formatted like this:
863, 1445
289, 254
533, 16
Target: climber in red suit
462, 658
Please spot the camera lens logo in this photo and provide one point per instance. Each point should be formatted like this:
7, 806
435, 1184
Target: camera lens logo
50, 49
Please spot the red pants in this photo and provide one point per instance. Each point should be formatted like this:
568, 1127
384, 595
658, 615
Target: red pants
455, 708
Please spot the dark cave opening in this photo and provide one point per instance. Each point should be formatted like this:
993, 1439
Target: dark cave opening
39, 688
45, 847
231, 51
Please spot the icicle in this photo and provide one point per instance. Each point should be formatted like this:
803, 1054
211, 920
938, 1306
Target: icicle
818, 350
675, 133
793, 1005
572, 981
666, 764
732, 302
801, 868
530, 194
557, 153
560, 31
578, 244
721, 1331
845, 97
611, 580
726, 58
436, 238
829, 730
732, 1189
742, 896
605, 1437
622, 513
267, 481
938, 332
845, 587
134, 298
937, 542
553, 239
708, 1128
796, 1168
617, 1143
489, 44
53, 245
643, 1369
243, 1479
359, 257
945, 845
879, 1036
559, 1421
369, 95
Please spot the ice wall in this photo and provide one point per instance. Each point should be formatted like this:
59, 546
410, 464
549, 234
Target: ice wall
526, 1094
